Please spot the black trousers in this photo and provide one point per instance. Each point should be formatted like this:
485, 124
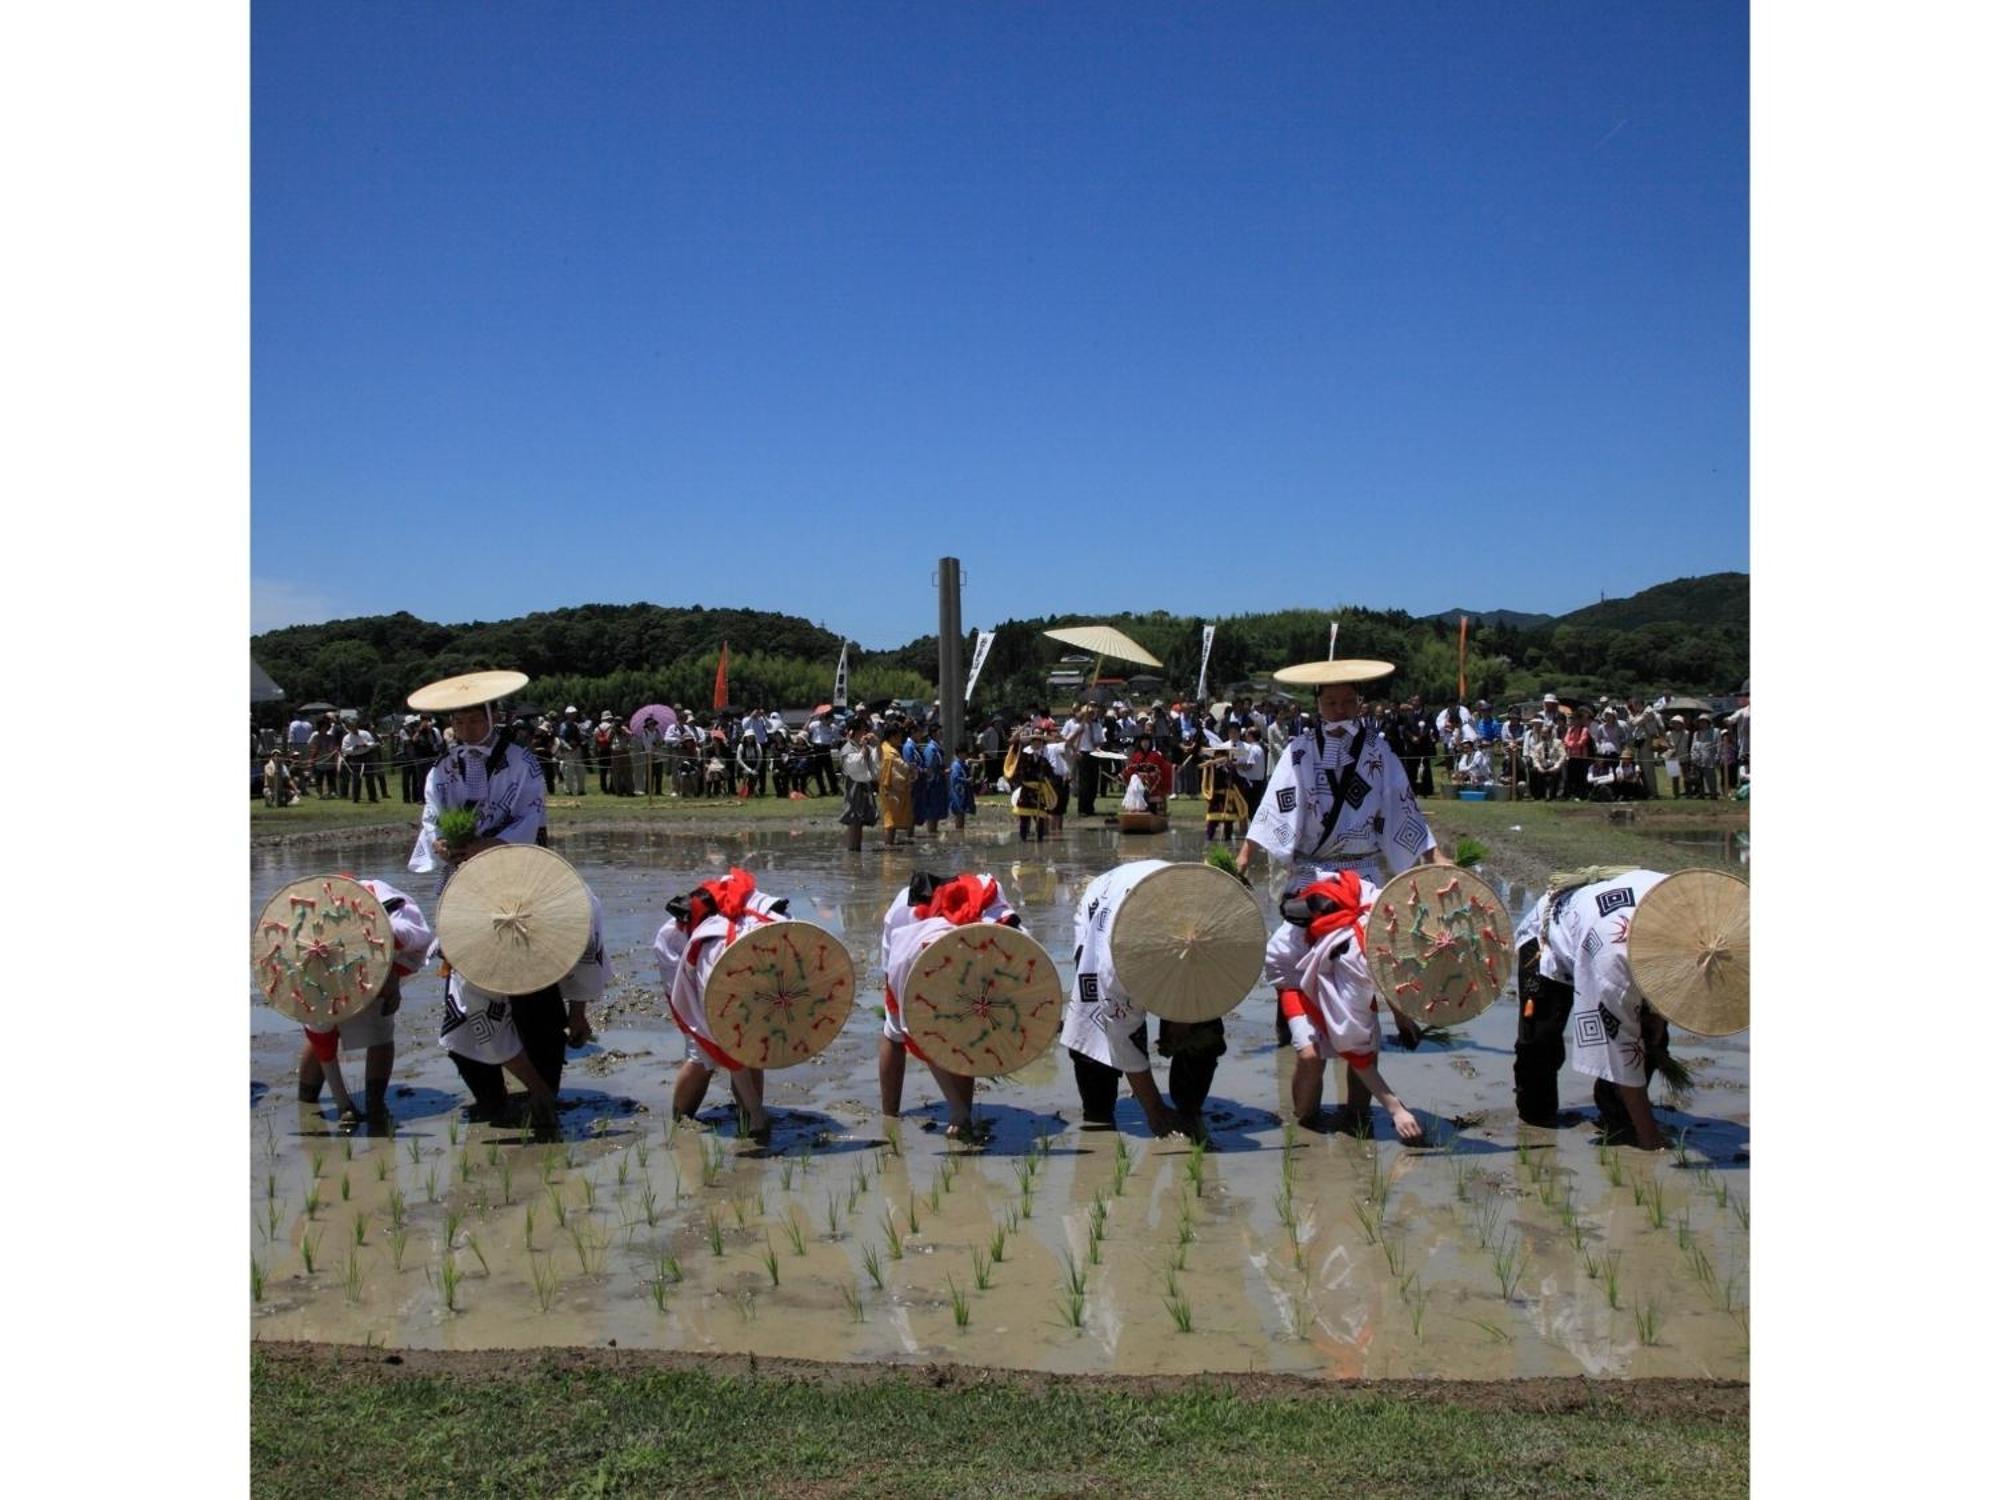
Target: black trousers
1086, 786
1189, 1075
542, 1022
1539, 1052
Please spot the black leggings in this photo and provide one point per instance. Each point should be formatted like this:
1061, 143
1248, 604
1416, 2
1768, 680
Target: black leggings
1538, 1041
1189, 1077
542, 1022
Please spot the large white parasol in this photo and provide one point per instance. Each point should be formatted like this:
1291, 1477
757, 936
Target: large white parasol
1102, 640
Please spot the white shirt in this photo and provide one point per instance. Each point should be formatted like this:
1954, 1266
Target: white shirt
1584, 944
1475, 767
356, 742
1342, 1007
1100, 1017
904, 938
512, 803
1083, 735
298, 733
1056, 753
1299, 823
1249, 757
479, 1024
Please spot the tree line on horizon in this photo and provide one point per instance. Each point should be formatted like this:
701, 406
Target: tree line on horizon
1687, 636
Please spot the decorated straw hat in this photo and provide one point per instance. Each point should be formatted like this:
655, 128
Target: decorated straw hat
1319, 673
322, 950
983, 1000
514, 919
1188, 942
779, 994
1439, 944
467, 691
1689, 948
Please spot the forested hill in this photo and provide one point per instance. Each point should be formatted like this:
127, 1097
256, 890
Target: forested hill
1691, 635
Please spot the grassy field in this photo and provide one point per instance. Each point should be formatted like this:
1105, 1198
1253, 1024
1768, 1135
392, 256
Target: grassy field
1529, 840
323, 1424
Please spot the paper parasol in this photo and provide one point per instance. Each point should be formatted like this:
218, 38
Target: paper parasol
1348, 669
322, 950
468, 690
1188, 943
983, 1000
1439, 944
1689, 948
514, 919
1103, 640
779, 994
658, 714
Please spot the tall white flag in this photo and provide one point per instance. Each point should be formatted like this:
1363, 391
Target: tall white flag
840, 679
1201, 687
979, 649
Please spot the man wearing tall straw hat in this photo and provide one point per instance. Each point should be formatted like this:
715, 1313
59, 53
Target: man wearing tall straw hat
483, 771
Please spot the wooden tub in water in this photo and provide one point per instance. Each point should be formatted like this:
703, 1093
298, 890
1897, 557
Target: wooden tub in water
1142, 822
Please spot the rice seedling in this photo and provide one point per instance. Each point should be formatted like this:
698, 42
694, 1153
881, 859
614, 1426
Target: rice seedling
381, 1167
1639, 1191
480, 1202
453, 1218
1592, 1266
589, 1248
1575, 1233
1486, 1220
272, 1214
1724, 1292
861, 1177
350, 1276
667, 1267
558, 1208
770, 1259
1093, 1249
1027, 1205
416, 1152
982, 1270
312, 1204
851, 1295
256, 1280
1683, 1231
1648, 1320
1073, 1275
1610, 1277
895, 1239
1493, 1331
745, 1303
961, 1309
318, 1161
712, 1160
736, 1207
1567, 1213
590, 1194
1070, 1306
1291, 1137
1459, 1167
714, 1234
1171, 1275
916, 1224
1523, 1153
1024, 1174
937, 1193
1656, 1207
1614, 1169
431, 1186
1395, 1250
996, 1246
472, 1244
677, 1186
492, 1153
1416, 1297
853, 1200
872, 1264
1287, 1213
360, 1229
1721, 1192
1179, 1309
1192, 1165
1369, 1216
399, 1240
832, 1218
1013, 1221
569, 1155
466, 1171
1681, 1148
657, 1290
1742, 1209
1378, 1181
642, 1152
448, 1279
1546, 1190
507, 1180
548, 1169
1701, 1268
1298, 1245
1510, 1263
451, 1130
649, 1206
547, 1279
795, 1232
1098, 1209
1180, 1256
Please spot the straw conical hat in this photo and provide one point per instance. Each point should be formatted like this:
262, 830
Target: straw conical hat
322, 950
1352, 669
1689, 948
514, 919
1439, 944
466, 691
983, 1000
779, 994
1188, 943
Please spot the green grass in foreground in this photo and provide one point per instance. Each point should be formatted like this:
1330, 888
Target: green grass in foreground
1561, 836
325, 1430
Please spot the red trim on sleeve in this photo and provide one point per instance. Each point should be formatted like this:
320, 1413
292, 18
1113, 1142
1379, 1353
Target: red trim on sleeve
1292, 1004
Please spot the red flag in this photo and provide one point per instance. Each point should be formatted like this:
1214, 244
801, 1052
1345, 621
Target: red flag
722, 679
1461, 658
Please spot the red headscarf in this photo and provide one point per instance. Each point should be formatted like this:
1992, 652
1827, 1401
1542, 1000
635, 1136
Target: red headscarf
1345, 908
725, 897
958, 900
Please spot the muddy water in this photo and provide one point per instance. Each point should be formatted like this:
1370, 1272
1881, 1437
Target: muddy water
632, 1231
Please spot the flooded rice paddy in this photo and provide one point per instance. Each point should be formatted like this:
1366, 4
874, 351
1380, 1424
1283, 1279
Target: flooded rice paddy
1500, 1250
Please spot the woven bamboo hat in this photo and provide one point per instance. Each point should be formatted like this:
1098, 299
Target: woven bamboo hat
1188, 942
1689, 948
321, 950
466, 691
779, 994
1352, 669
983, 1000
514, 919
1439, 944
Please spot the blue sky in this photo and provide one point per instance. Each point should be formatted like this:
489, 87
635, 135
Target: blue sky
1209, 308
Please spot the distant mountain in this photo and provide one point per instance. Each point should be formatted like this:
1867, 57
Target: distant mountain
1712, 599
1512, 619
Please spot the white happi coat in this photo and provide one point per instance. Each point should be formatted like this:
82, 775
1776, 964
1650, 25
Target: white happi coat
410, 941
1377, 825
1343, 1012
479, 1024
905, 936
686, 959
1583, 933
1099, 1017
511, 802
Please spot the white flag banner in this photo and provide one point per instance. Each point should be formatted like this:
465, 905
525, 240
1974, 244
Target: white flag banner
979, 650
840, 679
1201, 687
1332, 635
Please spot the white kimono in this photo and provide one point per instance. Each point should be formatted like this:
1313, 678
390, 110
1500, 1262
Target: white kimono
1376, 823
512, 803
410, 941
1343, 1013
479, 1024
905, 936
686, 959
1100, 1018
1583, 944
